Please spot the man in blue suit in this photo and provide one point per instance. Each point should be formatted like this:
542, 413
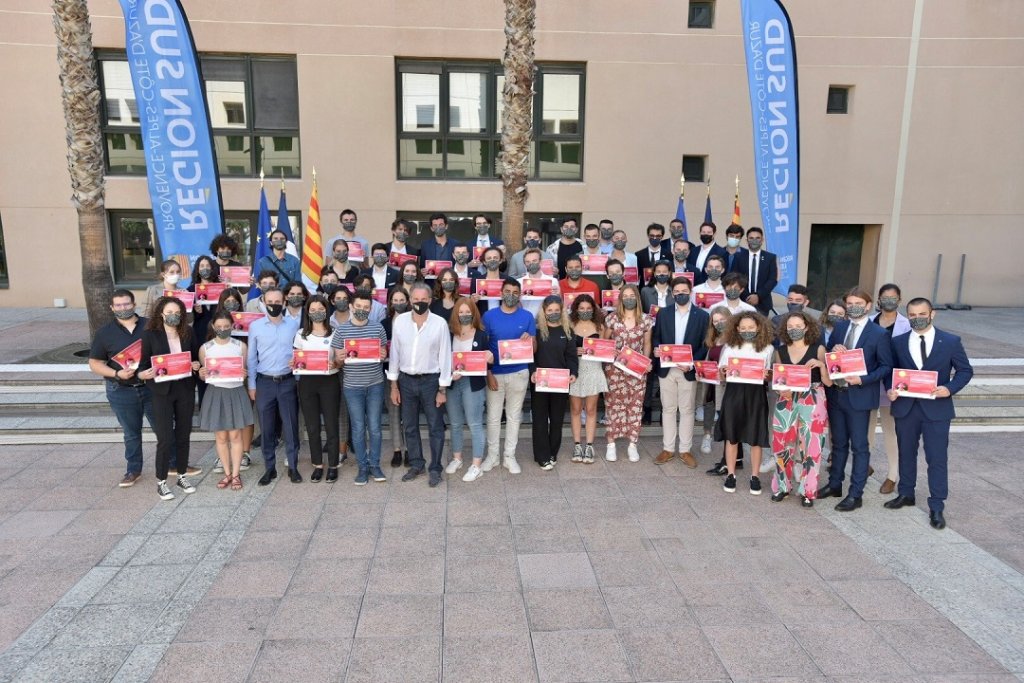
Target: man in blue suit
440, 246
857, 399
482, 225
926, 348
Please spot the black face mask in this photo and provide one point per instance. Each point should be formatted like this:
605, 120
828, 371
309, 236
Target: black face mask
420, 307
274, 310
707, 239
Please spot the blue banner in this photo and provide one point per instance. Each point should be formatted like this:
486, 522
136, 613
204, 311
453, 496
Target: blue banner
184, 187
771, 74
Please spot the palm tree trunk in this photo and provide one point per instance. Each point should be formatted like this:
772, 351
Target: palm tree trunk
517, 121
80, 94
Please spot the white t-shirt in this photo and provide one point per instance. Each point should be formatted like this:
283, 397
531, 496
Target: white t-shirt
233, 348
315, 343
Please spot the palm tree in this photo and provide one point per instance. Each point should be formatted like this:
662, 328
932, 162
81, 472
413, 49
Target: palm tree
80, 93
517, 120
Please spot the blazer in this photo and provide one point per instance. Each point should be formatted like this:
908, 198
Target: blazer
699, 277
154, 343
664, 332
947, 358
481, 342
741, 256
877, 357
430, 250
391, 276
409, 249
767, 279
643, 258
649, 297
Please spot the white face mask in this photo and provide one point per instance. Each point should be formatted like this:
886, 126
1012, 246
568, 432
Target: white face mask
172, 278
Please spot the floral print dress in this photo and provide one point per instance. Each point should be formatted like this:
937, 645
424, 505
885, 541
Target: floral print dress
624, 401
798, 433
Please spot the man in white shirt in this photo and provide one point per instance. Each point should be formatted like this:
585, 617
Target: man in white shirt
482, 225
384, 276
420, 370
619, 252
708, 248
531, 260
462, 265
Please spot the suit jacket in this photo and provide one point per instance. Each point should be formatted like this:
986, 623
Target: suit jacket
154, 343
391, 277
877, 357
430, 250
947, 358
699, 277
767, 279
409, 249
741, 256
481, 342
649, 297
643, 258
664, 332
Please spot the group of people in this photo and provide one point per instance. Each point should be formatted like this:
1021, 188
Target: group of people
414, 308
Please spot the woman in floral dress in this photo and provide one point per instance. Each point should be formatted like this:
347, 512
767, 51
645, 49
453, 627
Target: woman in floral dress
624, 401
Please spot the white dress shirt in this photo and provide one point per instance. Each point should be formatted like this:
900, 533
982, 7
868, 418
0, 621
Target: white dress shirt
737, 305
702, 254
753, 270
380, 277
421, 350
682, 320
709, 287
915, 345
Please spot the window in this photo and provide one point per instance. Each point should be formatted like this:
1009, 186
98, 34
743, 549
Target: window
449, 121
5, 277
253, 107
838, 99
694, 168
460, 225
702, 14
137, 254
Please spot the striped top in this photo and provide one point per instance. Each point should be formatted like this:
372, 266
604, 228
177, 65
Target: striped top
360, 375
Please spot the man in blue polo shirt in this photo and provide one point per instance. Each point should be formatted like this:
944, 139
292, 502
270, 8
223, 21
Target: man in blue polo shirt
506, 384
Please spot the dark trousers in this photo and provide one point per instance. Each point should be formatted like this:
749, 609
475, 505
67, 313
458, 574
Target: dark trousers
909, 432
419, 394
849, 428
548, 418
278, 398
130, 404
319, 399
172, 422
649, 390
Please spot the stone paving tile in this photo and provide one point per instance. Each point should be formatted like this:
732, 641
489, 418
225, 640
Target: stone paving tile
407, 659
399, 615
74, 665
308, 614
228, 620
303, 659
479, 540
564, 610
100, 626
556, 570
337, 576
481, 614
510, 663
407, 574
638, 607
482, 573
266, 579
660, 655
936, 647
580, 656
210, 662
733, 645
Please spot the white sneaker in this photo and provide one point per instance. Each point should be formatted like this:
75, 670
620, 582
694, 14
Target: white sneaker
583, 417
489, 463
218, 468
699, 415
705, 444
634, 454
454, 466
768, 465
473, 473
511, 465
609, 453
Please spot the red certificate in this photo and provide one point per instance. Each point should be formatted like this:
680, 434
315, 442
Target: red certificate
398, 260
241, 323
489, 289
675, 355
381, 296
465, 286
631, 275
593, 264
547, 266
915, 383
791, 377
209, 293
684, 273
537, 289
236, 276
568, 297
433, 268
172, 366
648, 272
609, 298
515, 351
843, 364
708, 299
349, 286
470, 363
745, 370
478, 252
362, 351
316, 362
632, 362
598, 350
128, 359
355, 250
707, 371
552, 381
186, 298
224, 369
653, 313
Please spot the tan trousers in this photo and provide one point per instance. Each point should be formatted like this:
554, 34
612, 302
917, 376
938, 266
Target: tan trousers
678, 402
892, 455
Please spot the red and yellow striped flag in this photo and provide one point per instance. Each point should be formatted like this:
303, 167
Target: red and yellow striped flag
736, 204
312, 252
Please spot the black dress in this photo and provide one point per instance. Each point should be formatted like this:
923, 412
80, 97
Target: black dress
745, 416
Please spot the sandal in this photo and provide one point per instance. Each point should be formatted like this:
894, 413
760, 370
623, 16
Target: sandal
224, 483
236, 483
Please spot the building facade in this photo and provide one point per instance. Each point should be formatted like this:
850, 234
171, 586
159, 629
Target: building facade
909, 114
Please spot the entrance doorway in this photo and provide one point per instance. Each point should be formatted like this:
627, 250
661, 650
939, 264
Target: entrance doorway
833, 261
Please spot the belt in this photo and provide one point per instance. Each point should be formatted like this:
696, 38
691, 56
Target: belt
422, 374
275, 378
126, 386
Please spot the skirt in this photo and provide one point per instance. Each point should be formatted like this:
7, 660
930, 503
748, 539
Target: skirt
744, 416
225, 409
590, 381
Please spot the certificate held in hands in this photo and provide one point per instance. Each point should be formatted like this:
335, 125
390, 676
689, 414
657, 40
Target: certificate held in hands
470, 363
317, 362
552, 381
185, 297
915, 383
241, 321
489, 289
598, 350
707, 371
708, 299
398, 260
745, 370
235, 276
593, 264
515, 351
536, 289
609, 298
128, 359
791, 377
172, 366
362, 351
224, 370
633, 363
843, 364
675, 355
432, 269
209, 292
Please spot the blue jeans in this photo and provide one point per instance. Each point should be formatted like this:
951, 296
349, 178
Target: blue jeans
419, 394
365, 407
130, 404
466, 407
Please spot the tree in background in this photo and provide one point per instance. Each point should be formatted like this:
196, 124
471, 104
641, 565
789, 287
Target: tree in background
517, 120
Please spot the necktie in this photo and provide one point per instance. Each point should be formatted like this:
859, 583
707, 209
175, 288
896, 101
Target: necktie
924, 352
753, 273
850, 336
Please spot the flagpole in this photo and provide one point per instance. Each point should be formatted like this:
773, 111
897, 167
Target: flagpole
261, 177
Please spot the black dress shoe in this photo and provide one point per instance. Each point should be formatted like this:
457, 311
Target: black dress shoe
294, 476
780, 496
646, 419
268, 476
332, 474
318, 474
828, 492
411, 474
718, 469
899, 502
396, 459
936, 519
807, 502
435, 479
405, 459
849, 504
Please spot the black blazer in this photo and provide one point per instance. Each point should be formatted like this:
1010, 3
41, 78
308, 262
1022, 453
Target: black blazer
741, 256
665, 333
154, 343
643, 259
391, 277
481, 342
699, 277
767, 279
409, 249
